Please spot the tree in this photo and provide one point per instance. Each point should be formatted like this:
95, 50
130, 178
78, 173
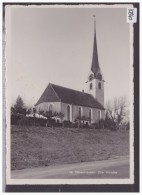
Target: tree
19, 107
34, 112
41, 112
116, 111
61, 116
19, 111
48, 115
28, 110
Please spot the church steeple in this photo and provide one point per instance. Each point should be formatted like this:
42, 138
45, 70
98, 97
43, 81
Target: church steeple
95, 83
95, 68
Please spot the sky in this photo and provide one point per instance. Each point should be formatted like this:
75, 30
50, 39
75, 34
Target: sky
56, 45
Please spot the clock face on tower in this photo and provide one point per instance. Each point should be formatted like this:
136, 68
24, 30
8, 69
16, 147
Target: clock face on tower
91, 76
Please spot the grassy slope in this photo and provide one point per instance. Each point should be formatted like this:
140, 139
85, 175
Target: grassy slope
42, 146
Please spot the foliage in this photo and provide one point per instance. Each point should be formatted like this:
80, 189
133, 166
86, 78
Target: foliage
116, 113
80, 121
14, 119
98, 125
48, 114
24, 121
34, 111
50, 122
67, 124
61, 116
109, 123
20, 108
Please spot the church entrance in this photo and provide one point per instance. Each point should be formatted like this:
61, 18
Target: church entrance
68, 113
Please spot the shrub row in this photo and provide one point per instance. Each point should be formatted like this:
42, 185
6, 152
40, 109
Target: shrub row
22, 120
27, 121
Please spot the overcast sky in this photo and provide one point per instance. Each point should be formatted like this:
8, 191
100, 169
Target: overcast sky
56, 45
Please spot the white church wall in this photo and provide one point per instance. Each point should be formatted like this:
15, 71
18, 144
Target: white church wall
85, 112
45, 106
95, 91
74, 110
64, 110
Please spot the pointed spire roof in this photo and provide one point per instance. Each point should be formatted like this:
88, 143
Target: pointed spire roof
95, 62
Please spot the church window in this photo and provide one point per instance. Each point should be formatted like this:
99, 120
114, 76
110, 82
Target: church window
99, 85
90, 115
99, 76
68, 113
99, 115
51, 108
91, 76
91, 86
80, 112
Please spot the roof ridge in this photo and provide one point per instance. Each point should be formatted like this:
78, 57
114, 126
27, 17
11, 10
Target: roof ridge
69, 88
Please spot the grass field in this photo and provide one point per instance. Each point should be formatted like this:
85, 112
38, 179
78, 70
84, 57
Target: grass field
42, 146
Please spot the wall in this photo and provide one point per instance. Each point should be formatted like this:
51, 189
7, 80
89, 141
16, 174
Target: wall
95, 91
45, 106
62, 107
100, 92
85, 110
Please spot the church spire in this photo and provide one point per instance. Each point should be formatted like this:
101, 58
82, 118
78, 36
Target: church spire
95, 68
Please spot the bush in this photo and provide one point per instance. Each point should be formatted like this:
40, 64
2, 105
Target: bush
14, 119
85, 125
58, 124
50, 122
39, 121
24, 121
75, 125
101, 124
67, 124
98, 125
109, 124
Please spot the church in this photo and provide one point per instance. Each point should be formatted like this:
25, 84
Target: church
87, 105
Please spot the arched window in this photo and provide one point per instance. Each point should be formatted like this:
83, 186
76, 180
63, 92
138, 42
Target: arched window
51, 108
90, 115
80, 112
99, 85
68, 113
99, 115
91, 86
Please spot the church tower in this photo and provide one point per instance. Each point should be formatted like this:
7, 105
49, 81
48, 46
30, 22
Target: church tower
95, 82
